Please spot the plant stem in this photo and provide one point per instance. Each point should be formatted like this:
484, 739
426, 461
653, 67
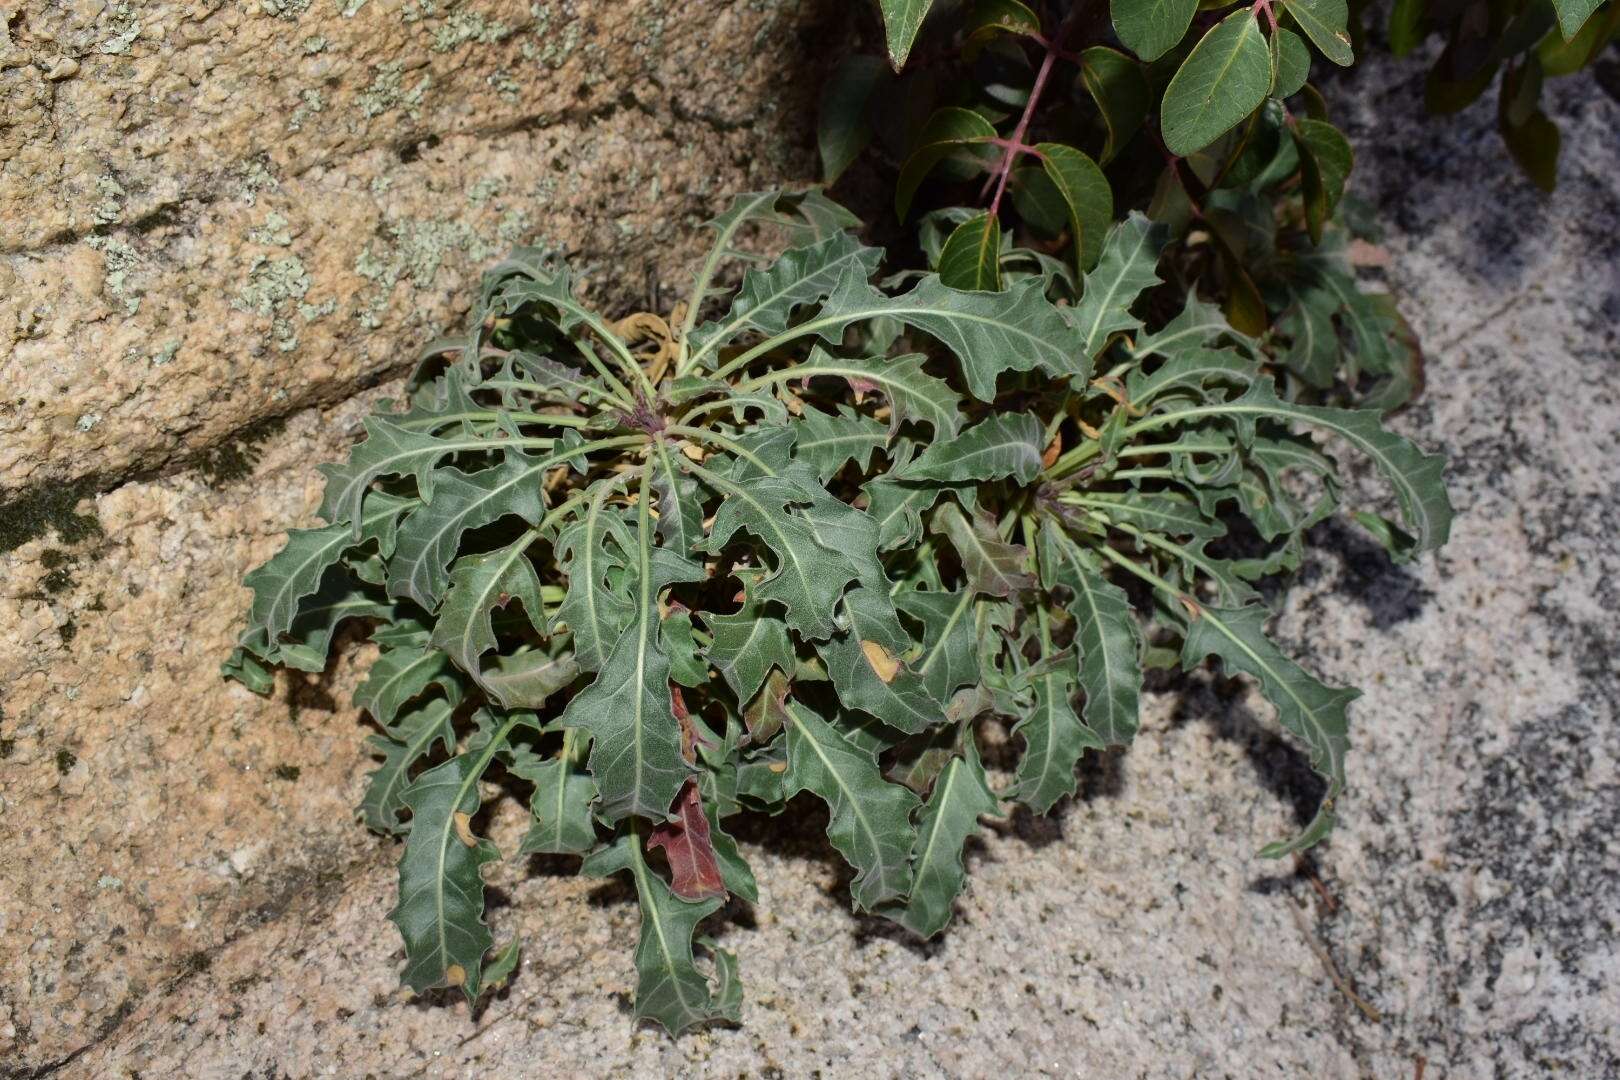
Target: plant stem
1004, 170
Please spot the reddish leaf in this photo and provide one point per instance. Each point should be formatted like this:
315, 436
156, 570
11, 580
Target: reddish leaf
686, 845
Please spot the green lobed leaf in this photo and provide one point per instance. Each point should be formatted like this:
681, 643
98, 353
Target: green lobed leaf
560, 806
950, 654
992, 566
1305, 706
1054, 738
768, 298
480, 584
1127, 267
867, 667
871, 818
595, 552
951, 815
400, 674
1106, 638
897, 507
1003, 445
669, 987
296, 571
1415, 477
408, 740
1224, 79
829, 441
808, 577
913, 394
627, 710
747, 645
525, 679
391, 449
308, 641
441, 888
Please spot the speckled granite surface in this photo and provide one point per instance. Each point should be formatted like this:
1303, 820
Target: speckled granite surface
1468, 901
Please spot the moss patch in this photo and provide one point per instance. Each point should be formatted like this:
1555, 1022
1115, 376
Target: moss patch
51, 509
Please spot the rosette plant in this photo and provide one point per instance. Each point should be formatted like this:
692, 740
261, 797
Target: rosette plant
810, 534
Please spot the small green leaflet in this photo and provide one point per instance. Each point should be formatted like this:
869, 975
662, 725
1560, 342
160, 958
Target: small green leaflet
1325, 163
951, 815
971, 257
1086, 195
1292, 61
871, 818
1305, 706
1224, 79
1005, 444
1572, 15
992, 18
842, 126
901, 21
1116, 83
1326, 23
947, 131
1151, 28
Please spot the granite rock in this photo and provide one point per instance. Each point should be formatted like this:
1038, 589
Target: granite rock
212, 918
228, 212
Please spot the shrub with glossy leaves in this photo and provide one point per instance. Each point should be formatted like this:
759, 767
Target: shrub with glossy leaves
815, 533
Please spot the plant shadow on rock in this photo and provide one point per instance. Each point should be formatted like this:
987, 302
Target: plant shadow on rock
1367, 575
